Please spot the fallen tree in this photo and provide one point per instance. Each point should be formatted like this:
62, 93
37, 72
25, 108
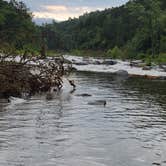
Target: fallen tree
20, 75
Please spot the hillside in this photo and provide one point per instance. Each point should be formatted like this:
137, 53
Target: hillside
134, 30
137, 28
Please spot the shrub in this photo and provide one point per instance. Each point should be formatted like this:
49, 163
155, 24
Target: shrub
115, 53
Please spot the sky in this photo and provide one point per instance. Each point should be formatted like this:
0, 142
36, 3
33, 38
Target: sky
61, 10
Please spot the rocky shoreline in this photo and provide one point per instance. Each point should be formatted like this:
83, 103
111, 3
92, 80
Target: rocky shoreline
135, 68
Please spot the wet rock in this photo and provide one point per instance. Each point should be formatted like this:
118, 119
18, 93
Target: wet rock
163, 67
147, 68
97, 63
122, 73
67, 61
84, 95
109, 62
81, 63
137, 63
16, 100
49, 96
98, 102
73, 69
156, 164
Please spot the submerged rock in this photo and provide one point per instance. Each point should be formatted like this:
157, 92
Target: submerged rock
97, 63
81, 63
122, 73
16, 100
147, 68
73, 69
137, 63
163, 67
67, 61
49, 96
109, 62
84, 95
98, 102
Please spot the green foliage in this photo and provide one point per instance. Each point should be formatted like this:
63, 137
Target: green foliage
148, 61
138, 27
134, 30
115, 53
163, 44
161, 58
16, 26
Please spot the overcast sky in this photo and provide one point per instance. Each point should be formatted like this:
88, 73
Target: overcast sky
61, 10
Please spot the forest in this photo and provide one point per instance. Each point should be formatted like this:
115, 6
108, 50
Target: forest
134, 30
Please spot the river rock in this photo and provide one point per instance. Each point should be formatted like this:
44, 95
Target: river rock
73, 69
147, 68
122, 73
84, 95
67, 61
109, 62
97, 63
137, 63
98, 102
81, 63
163, 67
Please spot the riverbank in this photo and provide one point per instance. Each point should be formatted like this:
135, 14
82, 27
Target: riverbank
107, 65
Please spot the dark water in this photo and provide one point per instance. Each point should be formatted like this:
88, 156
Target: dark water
67, 131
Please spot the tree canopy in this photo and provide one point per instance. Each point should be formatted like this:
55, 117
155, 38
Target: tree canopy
16, 27
138, 27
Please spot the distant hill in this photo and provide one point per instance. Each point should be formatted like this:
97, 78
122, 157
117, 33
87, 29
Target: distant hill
41, 21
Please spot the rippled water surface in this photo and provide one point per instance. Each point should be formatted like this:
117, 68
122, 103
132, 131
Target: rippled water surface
68, 131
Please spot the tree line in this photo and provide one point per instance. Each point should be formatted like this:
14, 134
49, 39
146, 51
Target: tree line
134, 30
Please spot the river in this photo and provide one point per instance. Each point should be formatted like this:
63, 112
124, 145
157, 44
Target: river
69, 131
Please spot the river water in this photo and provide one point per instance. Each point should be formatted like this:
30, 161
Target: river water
69, 131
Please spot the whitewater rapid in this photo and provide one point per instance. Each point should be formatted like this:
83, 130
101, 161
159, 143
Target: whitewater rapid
120, 65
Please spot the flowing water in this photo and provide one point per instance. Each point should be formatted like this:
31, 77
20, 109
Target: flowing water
69, 131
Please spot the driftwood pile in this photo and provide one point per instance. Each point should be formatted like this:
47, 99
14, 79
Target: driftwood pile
29, 76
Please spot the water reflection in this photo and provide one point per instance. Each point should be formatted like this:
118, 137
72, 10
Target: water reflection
66, 131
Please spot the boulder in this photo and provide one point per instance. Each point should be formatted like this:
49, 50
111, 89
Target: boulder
147, 68
84, 95
163, 67
122, 73
137, 63
109, 62
67, 61
73, 69
81, 63
96, 62
98, 102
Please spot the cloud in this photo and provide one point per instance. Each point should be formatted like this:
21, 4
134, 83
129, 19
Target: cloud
62, 12
54, 8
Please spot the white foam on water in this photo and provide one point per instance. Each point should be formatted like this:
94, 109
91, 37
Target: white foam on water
121, 65
16, 100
